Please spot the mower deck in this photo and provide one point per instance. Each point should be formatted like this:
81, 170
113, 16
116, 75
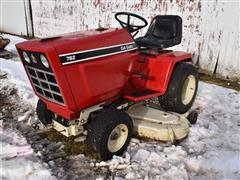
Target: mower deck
156, 124
149, 121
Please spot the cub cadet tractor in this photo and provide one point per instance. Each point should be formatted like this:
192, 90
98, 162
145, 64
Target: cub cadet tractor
102, 81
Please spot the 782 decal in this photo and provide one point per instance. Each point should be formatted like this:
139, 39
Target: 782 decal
71, 58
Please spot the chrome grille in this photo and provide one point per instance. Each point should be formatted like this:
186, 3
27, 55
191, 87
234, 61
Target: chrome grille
45, 84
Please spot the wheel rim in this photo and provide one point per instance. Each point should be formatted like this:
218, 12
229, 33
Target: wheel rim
117, 138
188, 90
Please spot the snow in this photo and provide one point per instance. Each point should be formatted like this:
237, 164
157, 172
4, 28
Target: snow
14, 40
26, 116
211, 150
16, 72
18, 77
18, 160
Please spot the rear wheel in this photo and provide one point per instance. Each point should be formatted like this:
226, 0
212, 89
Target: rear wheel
44, 115
109, 133
182, 89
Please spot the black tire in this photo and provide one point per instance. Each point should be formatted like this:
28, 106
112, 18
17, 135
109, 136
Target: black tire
172, 99
192, 117
44, 115
100, 129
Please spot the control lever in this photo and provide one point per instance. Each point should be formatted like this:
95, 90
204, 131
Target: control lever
138, 75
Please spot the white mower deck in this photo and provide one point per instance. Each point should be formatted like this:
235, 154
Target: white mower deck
148, 121
155, 124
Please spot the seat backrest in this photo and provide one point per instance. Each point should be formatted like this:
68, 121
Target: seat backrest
166, 27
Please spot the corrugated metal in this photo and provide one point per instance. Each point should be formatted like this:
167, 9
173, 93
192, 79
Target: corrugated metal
210, 28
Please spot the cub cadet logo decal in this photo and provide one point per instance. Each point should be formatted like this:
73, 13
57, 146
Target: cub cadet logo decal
96, 53
123, 48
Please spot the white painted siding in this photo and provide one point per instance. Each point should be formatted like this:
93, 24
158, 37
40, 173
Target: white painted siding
210, 27
12, 17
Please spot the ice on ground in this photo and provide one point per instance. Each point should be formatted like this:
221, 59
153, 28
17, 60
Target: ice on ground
18, 160
116, 163
26, 116
211, 150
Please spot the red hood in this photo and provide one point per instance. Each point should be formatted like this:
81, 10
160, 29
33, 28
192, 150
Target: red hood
79, 41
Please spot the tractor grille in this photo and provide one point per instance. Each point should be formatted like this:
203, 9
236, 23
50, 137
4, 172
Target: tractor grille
45, 84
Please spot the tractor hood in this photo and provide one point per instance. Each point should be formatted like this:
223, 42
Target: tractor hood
80, 41
92, 44
109, 50
87, 40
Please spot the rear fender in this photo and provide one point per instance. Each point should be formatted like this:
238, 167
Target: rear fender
161, 69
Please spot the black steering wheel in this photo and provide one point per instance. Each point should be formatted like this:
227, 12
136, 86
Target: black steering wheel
131, 27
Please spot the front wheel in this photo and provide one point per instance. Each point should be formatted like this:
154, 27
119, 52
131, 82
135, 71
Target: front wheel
109, 133
182, 89
44, 115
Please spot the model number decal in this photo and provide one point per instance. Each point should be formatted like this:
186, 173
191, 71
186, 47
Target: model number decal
71, 58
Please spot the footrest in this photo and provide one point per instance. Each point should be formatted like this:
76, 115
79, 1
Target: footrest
141, 95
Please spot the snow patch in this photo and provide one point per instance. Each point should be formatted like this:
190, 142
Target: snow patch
13, 41
116, 163
26, 116
18, 160
18, 77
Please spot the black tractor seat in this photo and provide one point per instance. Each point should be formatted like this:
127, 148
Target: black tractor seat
164, 31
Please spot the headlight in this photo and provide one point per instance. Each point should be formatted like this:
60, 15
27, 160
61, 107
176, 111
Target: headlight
44, 61
26, 57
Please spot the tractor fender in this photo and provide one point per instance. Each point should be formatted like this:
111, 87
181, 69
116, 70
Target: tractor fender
161, 68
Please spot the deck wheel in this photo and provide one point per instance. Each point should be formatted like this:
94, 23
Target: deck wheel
192, 117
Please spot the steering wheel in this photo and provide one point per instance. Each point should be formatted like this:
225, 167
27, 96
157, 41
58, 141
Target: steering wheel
131, 27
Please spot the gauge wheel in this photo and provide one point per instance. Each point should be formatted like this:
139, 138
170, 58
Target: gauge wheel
182, 89
192, 117
44, 115
109, 133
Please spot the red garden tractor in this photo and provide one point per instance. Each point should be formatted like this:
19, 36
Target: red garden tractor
104, 82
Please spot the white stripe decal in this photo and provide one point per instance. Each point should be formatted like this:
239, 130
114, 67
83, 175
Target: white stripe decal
91, 54
89, 50
92, 58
